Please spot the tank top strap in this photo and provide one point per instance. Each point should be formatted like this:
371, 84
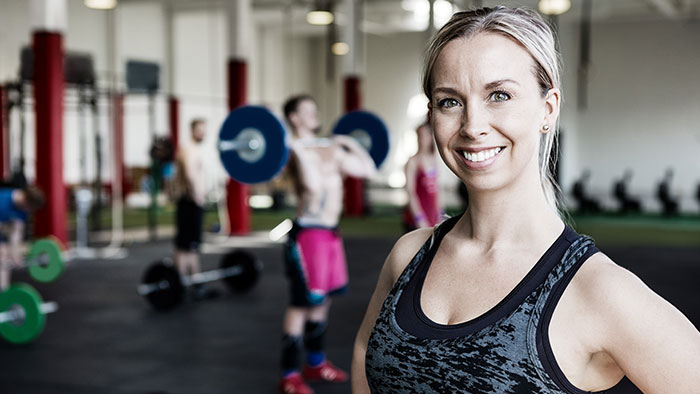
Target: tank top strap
547, 297
425, 253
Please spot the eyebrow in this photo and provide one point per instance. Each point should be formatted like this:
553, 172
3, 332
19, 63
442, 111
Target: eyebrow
498, 83
488, 86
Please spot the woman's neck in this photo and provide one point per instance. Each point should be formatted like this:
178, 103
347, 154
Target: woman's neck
515, 214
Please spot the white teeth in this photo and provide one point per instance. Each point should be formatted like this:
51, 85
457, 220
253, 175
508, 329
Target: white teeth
481, 155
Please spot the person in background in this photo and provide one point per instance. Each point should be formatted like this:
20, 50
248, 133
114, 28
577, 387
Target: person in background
190, 193
422, 186
15, 206
314, 255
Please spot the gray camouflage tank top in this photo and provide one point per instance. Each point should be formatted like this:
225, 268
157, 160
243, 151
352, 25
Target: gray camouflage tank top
506, 350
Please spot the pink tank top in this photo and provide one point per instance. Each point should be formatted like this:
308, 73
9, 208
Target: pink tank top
427, 192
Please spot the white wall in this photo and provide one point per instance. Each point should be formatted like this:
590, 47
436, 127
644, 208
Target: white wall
643, 108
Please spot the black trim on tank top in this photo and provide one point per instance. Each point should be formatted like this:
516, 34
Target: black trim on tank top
544, 347
411, 318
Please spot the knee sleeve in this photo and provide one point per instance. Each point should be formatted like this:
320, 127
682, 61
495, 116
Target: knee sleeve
314, 335
291, 352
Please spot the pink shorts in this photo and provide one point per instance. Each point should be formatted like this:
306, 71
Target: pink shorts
315, 265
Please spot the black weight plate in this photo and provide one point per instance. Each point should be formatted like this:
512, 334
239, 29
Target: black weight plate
250, 270
164, 299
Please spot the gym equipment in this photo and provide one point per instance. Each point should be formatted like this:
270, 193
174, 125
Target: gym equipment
253, 142
40, 270
164, 288
23, 313
368, 130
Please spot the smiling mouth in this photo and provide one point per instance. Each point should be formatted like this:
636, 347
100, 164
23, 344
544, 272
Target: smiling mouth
476, 157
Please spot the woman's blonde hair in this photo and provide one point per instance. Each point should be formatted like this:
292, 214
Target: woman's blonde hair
527, 28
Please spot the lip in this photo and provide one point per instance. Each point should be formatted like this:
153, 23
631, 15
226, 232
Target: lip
482, 165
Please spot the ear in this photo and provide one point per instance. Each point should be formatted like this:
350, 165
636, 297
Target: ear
552, 102
293, 119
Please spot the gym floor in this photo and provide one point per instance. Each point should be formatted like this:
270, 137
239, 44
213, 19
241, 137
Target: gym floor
106, 339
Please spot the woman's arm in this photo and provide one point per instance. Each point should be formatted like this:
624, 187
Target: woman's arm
399, 257
650, 340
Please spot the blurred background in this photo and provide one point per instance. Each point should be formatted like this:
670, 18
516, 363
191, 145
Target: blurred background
134, 73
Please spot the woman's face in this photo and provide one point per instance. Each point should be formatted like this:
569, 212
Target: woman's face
487, 111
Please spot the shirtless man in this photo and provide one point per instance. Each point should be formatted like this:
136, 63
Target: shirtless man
190, 190
314, 255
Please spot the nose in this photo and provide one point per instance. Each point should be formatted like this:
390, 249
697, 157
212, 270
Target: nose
474, 121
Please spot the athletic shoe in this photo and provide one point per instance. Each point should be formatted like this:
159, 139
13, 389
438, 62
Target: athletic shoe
326, 372
293, 384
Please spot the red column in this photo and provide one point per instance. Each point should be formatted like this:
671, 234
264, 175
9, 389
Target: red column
48, 98
354, 187
174, 118
4, 133
118, 129
236, 192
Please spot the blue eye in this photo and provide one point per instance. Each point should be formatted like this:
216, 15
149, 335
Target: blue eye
447, 103
499, 96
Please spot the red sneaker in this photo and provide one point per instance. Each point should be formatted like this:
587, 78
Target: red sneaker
326, 372
293, 384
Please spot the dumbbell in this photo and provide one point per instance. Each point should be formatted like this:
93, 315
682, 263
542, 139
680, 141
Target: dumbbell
23, 313
164, 287
253, 142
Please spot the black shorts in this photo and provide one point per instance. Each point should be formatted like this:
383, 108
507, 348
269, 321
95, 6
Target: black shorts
188, 225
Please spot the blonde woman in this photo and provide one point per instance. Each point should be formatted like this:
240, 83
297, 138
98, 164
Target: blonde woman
507, 298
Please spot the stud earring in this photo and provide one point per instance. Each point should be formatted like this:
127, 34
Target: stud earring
545, 127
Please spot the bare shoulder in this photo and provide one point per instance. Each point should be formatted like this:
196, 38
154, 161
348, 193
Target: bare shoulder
608, 286
405, 249
621, 302
651, 341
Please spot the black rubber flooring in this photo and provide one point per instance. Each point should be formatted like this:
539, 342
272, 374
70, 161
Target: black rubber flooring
106, 339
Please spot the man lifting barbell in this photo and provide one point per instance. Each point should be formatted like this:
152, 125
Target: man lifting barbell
314, 255
254, 146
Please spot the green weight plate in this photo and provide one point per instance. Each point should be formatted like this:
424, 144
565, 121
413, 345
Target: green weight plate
26, 297
50, 271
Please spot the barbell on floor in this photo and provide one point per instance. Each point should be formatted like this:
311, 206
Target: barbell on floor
253, 142
23, 313
164, 287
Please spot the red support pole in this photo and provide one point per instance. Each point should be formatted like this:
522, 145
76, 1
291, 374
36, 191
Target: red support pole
236, 192
4, 133
174, 118
354, 187
48, 98
118, 129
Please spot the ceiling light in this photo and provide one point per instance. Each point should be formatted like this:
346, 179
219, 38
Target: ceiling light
554, 7
100, 4
317, 17
340, 48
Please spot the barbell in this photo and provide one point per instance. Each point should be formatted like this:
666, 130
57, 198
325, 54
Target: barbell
253, 142
164, 287
23, 313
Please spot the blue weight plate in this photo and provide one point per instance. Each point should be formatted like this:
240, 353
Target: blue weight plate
368, 129
264, 165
